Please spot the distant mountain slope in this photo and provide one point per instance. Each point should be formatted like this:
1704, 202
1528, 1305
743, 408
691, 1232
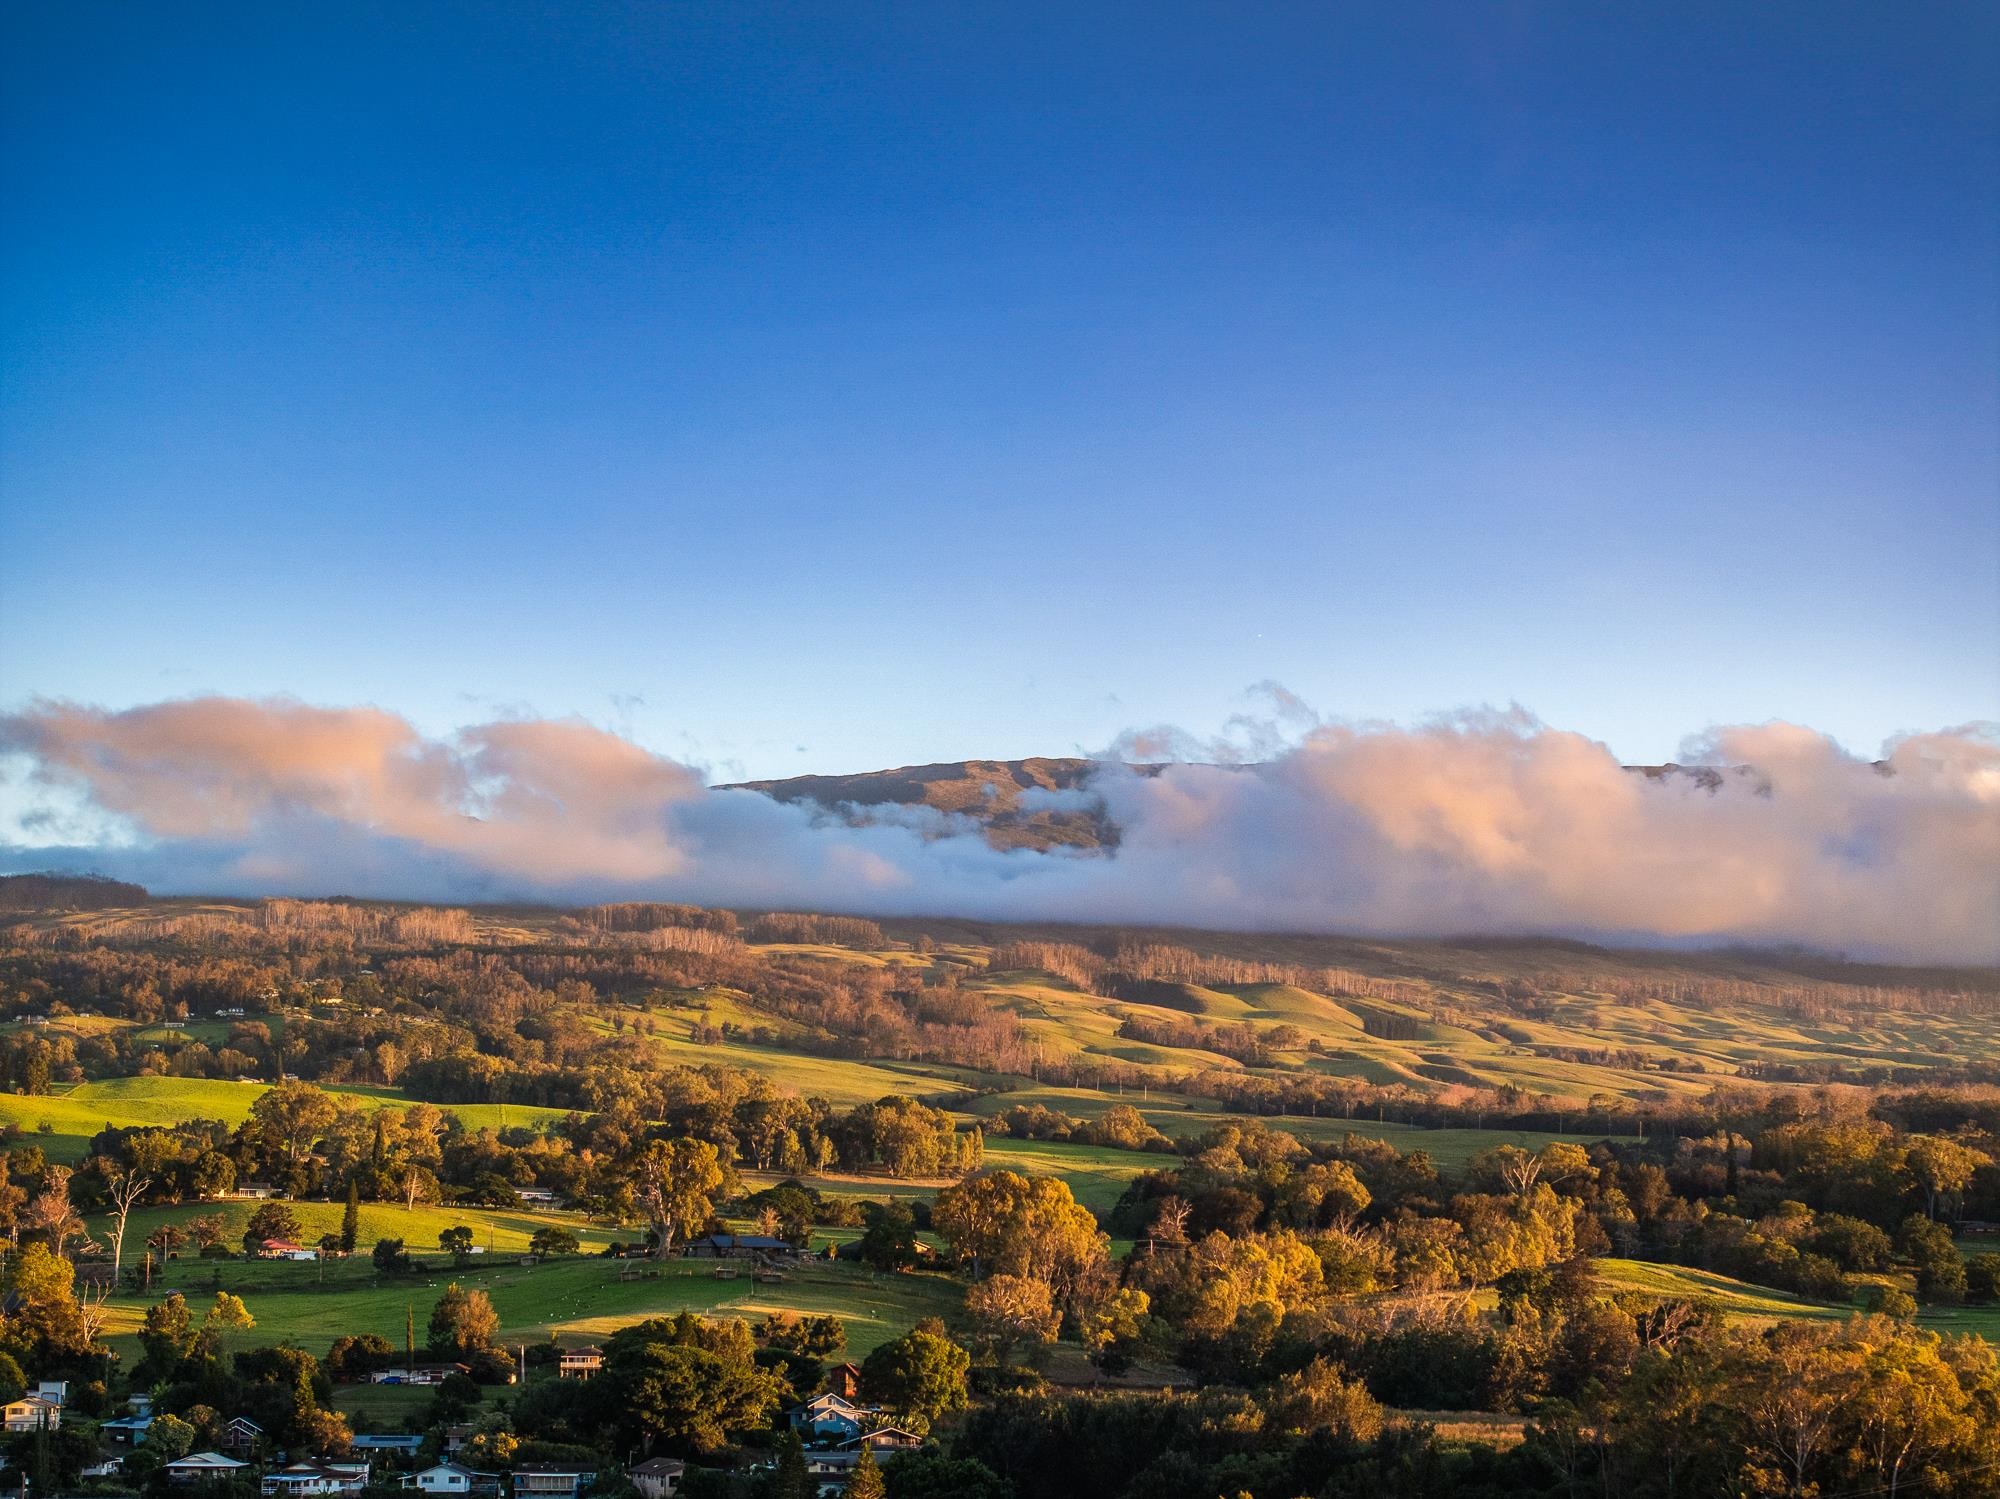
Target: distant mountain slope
986, 790
990, 791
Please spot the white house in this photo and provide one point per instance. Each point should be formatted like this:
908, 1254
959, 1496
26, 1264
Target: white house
302, 1480
831, 1419
658, 1477
454, 1479
202, 1467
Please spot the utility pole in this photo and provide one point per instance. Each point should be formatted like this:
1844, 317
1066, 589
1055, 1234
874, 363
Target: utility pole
409, 1340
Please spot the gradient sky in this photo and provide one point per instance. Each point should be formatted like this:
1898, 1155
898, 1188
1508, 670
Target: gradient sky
819, 388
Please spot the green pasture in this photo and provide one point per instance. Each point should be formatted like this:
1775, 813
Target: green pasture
1736, 1298
496, 1230
1176, 1116
75, 1116
577, 1299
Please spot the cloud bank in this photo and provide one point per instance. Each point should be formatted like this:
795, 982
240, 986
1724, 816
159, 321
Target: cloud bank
1484, 823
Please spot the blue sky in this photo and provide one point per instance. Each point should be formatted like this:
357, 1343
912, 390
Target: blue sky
819, 388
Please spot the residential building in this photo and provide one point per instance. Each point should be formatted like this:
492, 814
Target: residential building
202, 1467
738, 1246
55, 1391
125, 1431
310, 1479
399, 1444
886, 1439
831, 1420
580, 1363
844, 1380
829, 1470
657, 1477
426, 1374
453, 1479
242, 1436
32, 1413
551, 1480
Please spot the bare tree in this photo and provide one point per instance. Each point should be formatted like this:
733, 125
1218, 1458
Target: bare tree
126, 1190
50, 1212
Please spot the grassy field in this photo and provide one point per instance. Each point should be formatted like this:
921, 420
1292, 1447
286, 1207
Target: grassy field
576, 1299
74, 1116
1736, 1298
1176, 1116
497, 1230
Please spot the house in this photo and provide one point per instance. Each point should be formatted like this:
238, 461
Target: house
452, 1478
829, 1470
55, 1391
125, 1431
202, 1467
285, 1249
425, 1374
400, 1444
256, 1191
551, 1480
540, 1196
844, 1380
580, 1363
304, 1480
657, 1477
32, 1413
830, 1420
738, 1246
242, 1436
109, 1468
886, 1439
456, 1436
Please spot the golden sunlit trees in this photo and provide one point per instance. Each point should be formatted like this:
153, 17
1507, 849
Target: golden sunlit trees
1003, 1223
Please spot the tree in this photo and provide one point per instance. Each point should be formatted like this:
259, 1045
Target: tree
921, 1374
165, 1336
291, 1117
358, 1355
865, 1482
1939, 1266
1012, 1309
553, 1240
226, 1313
419, 1185
392, 1259
1028, 1227
456, 1242
350, 1218
889, 1242
1321, 1397
271, 1220
50, 1213
932, 1475
125, 1190
791, 1480
45, 1322
689, 1397
170, 1437
674, 1180
1982, 1278
463, 1323
166, 1240
1941, 1168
